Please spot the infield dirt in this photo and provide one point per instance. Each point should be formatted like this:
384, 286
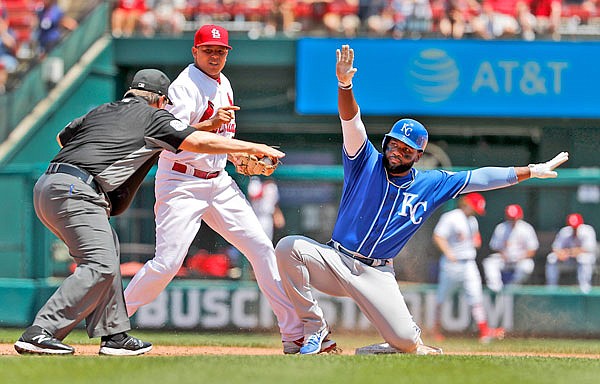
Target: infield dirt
170, 350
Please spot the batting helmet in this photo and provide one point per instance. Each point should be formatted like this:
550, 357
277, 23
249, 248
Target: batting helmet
476, 201
574, 220
513, 212
410, 132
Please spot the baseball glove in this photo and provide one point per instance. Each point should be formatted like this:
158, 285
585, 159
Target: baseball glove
251, 165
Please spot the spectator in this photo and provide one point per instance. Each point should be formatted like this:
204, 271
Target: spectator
457, 15
163, 17
126, 17
8, 46
341, 17
281, 17
501, 18
412, 16
51, 22
515, 243
379, 17
457, 235
546, 17
575, 244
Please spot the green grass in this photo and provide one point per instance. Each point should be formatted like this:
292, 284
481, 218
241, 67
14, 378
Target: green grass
321, 369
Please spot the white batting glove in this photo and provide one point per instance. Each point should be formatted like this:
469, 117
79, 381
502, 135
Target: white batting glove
343, 69
546, 170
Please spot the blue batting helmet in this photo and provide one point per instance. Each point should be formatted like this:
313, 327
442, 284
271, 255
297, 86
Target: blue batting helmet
410, 132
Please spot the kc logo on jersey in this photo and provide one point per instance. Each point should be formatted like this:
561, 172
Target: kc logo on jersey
410, 208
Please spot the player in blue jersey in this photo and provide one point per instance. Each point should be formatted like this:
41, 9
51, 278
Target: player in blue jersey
384, 201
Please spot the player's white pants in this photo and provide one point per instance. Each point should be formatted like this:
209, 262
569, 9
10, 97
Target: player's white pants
462, 272
305, 263
494, 265
182, 202
585, 270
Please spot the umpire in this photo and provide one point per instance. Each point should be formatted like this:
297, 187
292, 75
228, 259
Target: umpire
104, 158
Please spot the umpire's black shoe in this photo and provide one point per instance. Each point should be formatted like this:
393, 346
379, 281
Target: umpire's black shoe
122, 344
36, 340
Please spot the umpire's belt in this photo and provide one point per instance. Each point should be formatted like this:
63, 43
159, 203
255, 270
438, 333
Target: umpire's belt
365, 260
73, 170
182, 168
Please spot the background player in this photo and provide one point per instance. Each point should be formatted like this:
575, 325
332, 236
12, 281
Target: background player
515, 244
573, 244
264, 198
457, 236
384, 202
191, 187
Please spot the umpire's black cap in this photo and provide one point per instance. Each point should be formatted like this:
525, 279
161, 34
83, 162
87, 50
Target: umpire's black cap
152, 80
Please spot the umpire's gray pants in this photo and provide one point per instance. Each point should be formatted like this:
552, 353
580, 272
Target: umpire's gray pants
78, 215
304, 263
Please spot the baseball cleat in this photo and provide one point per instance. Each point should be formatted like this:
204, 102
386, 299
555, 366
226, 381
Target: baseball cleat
36, 340
423, 349
123, 345
492, 334
385, 348
313, 344
293, 347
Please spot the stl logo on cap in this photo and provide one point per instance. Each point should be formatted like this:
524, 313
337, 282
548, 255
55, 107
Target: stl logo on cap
210, 34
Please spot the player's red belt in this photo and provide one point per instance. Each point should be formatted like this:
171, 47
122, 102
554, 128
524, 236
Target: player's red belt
365, 260
182, 168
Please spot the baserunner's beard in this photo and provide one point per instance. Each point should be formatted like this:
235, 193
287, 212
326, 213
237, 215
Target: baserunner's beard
398, 168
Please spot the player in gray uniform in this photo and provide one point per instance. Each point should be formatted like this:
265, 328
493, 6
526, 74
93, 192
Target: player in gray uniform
515, 243
574, 244
384, 202
104, 158
457, 236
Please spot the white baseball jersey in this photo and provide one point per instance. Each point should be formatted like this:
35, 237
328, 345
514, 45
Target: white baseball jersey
586, 238
184, 200
514, 241
264, 197
196, 97
460, 231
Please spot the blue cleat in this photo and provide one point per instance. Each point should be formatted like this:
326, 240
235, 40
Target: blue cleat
313, 343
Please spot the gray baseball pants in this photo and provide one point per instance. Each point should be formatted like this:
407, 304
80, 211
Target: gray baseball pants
78, 215
304, 263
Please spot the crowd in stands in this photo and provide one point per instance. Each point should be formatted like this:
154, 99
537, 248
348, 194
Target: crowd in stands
485, 19
29, 28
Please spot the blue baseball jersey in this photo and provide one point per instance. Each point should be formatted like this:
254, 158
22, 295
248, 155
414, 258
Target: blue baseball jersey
378, 213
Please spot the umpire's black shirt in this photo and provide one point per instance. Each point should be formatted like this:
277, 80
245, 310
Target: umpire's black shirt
118, 143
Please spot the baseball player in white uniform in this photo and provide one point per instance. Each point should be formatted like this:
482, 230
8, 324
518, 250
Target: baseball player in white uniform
457, 235
264, 198
191, 187
574, 243
515, 244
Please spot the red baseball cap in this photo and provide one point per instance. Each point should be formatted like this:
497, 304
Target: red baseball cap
574, 220
476, 201
210, 34
514, 212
